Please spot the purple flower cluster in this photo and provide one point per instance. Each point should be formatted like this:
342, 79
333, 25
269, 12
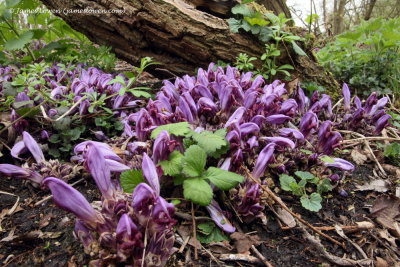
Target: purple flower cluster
132, 229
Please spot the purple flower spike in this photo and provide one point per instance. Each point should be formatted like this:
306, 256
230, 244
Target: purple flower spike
18, 148
346, 96
252, 142
280, 141
21, 173
340, 164
308, 123
381, 123
250, 202
100, 171
150, 173
371, 100
380, 104
69, 199
33, 147
301, 99
288, 107
263, 158
205, 105
128, 237
235, 117
218, 217
288, 132
84, 235
357, 102
249, 127
161, 147
277, 119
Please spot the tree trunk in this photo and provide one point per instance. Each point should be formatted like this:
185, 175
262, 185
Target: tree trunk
369, 10
173, 32
338, 16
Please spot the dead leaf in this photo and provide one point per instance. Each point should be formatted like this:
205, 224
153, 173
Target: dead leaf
45, 220
384, 234
10, 236
285, 217
244, 242
385, 209
375, 185
222, 247
379, 262
358, 157
391, 169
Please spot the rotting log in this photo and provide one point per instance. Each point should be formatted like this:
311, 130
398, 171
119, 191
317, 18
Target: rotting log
174, 33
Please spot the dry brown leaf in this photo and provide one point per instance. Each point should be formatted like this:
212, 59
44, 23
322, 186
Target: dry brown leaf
391, 169
385, 210
243, 242
358, 156
379, 262
285, 217
384, 234
375, 185
45, 220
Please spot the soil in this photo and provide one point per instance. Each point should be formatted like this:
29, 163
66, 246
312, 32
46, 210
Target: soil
42, 235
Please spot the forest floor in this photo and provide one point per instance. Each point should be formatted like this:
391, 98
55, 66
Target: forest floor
36, 233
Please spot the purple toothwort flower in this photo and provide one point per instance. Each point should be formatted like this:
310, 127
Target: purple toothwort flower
249, 200
263, 158
21, 173
28, 144
381, 123
150, 173
219, 218
346, 96
309, 122
288, 132
340, 164
277, 119
280, 141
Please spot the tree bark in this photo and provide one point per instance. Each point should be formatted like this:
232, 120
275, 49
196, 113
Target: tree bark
174, 33
369, 10
338, 16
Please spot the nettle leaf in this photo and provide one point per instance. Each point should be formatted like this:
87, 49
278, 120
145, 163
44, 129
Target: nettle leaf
194, 161
304, 175
198, 191
177, 129
209, 141
19, 42
223, 179
172, 166
312, 202
324, 185
285, 181
208, 232
130, 179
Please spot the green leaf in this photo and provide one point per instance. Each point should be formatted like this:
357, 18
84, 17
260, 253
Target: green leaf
324, 185
312, 202
256, 21
304, 175
297, 49
305, 151
326, 159
38, 33
172, 166
177, 129
32, 112
223, 179
12, 3
243, 10
194, 161
130, 179
19, 42
285, 181
209, 141
234, 25
198, 191
208, 232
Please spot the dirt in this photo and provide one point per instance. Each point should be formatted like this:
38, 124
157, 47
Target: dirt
43, 234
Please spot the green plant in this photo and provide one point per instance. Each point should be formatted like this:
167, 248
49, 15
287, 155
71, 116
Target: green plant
357, 56
392, 153
309, 87
268, 28
302, 188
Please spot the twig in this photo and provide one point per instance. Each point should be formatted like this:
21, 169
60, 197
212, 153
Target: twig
359, 226
332, 258
194, 233
240, 257
283, 205
369, 138
189, 217
212, 256
71, 108
340, 232
260, 256
337, 103
184, 244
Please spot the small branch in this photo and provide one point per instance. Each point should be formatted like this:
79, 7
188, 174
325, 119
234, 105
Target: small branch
240, 257
194, 233
71, 108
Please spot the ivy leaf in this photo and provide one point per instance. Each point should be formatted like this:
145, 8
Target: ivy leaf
234, 25
285, 181
172, 166
177, 129
19, 42
304, 175
209, 141
198, 191
223, 179
194, 161
312, 202
130, 179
